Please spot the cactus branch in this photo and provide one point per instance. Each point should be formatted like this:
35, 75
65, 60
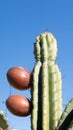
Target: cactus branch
47, 84
3, 122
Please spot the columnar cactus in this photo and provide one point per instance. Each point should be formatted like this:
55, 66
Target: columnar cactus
47, 88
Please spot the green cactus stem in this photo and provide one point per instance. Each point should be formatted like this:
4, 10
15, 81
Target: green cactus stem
66, 120
3, 122
55, 97
52, 46
34, 96
47, 85
36, 71
71, 125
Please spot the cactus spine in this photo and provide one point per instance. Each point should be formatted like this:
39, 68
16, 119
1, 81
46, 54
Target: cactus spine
47, 85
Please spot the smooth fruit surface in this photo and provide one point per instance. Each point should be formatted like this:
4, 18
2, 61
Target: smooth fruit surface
19, 105
19, 77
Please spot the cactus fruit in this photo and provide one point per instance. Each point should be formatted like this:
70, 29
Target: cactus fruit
19, 105
19, 78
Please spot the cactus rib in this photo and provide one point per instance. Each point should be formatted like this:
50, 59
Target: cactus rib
55, 92
36, 71
45, 81
35, 92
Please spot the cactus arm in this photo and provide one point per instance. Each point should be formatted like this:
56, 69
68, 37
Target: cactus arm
66, 124
68, 109
47, 84
67, 116
3, 122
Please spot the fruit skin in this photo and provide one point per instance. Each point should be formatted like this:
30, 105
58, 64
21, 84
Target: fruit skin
19, 77
19, 105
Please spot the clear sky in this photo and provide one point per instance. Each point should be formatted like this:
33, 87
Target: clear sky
20, 22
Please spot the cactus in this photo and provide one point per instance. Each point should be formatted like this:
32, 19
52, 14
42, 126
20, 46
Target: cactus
66, 120
46, 93
3, 122
46, 90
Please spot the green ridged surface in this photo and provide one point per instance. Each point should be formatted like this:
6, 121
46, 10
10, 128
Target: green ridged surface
55, 97
3, 122
47, 84
34, 92
34, 96
66, 119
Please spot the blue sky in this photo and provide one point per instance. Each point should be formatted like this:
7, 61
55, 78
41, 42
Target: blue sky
20, 23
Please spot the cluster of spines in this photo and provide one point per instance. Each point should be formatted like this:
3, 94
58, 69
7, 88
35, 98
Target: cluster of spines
47, 90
